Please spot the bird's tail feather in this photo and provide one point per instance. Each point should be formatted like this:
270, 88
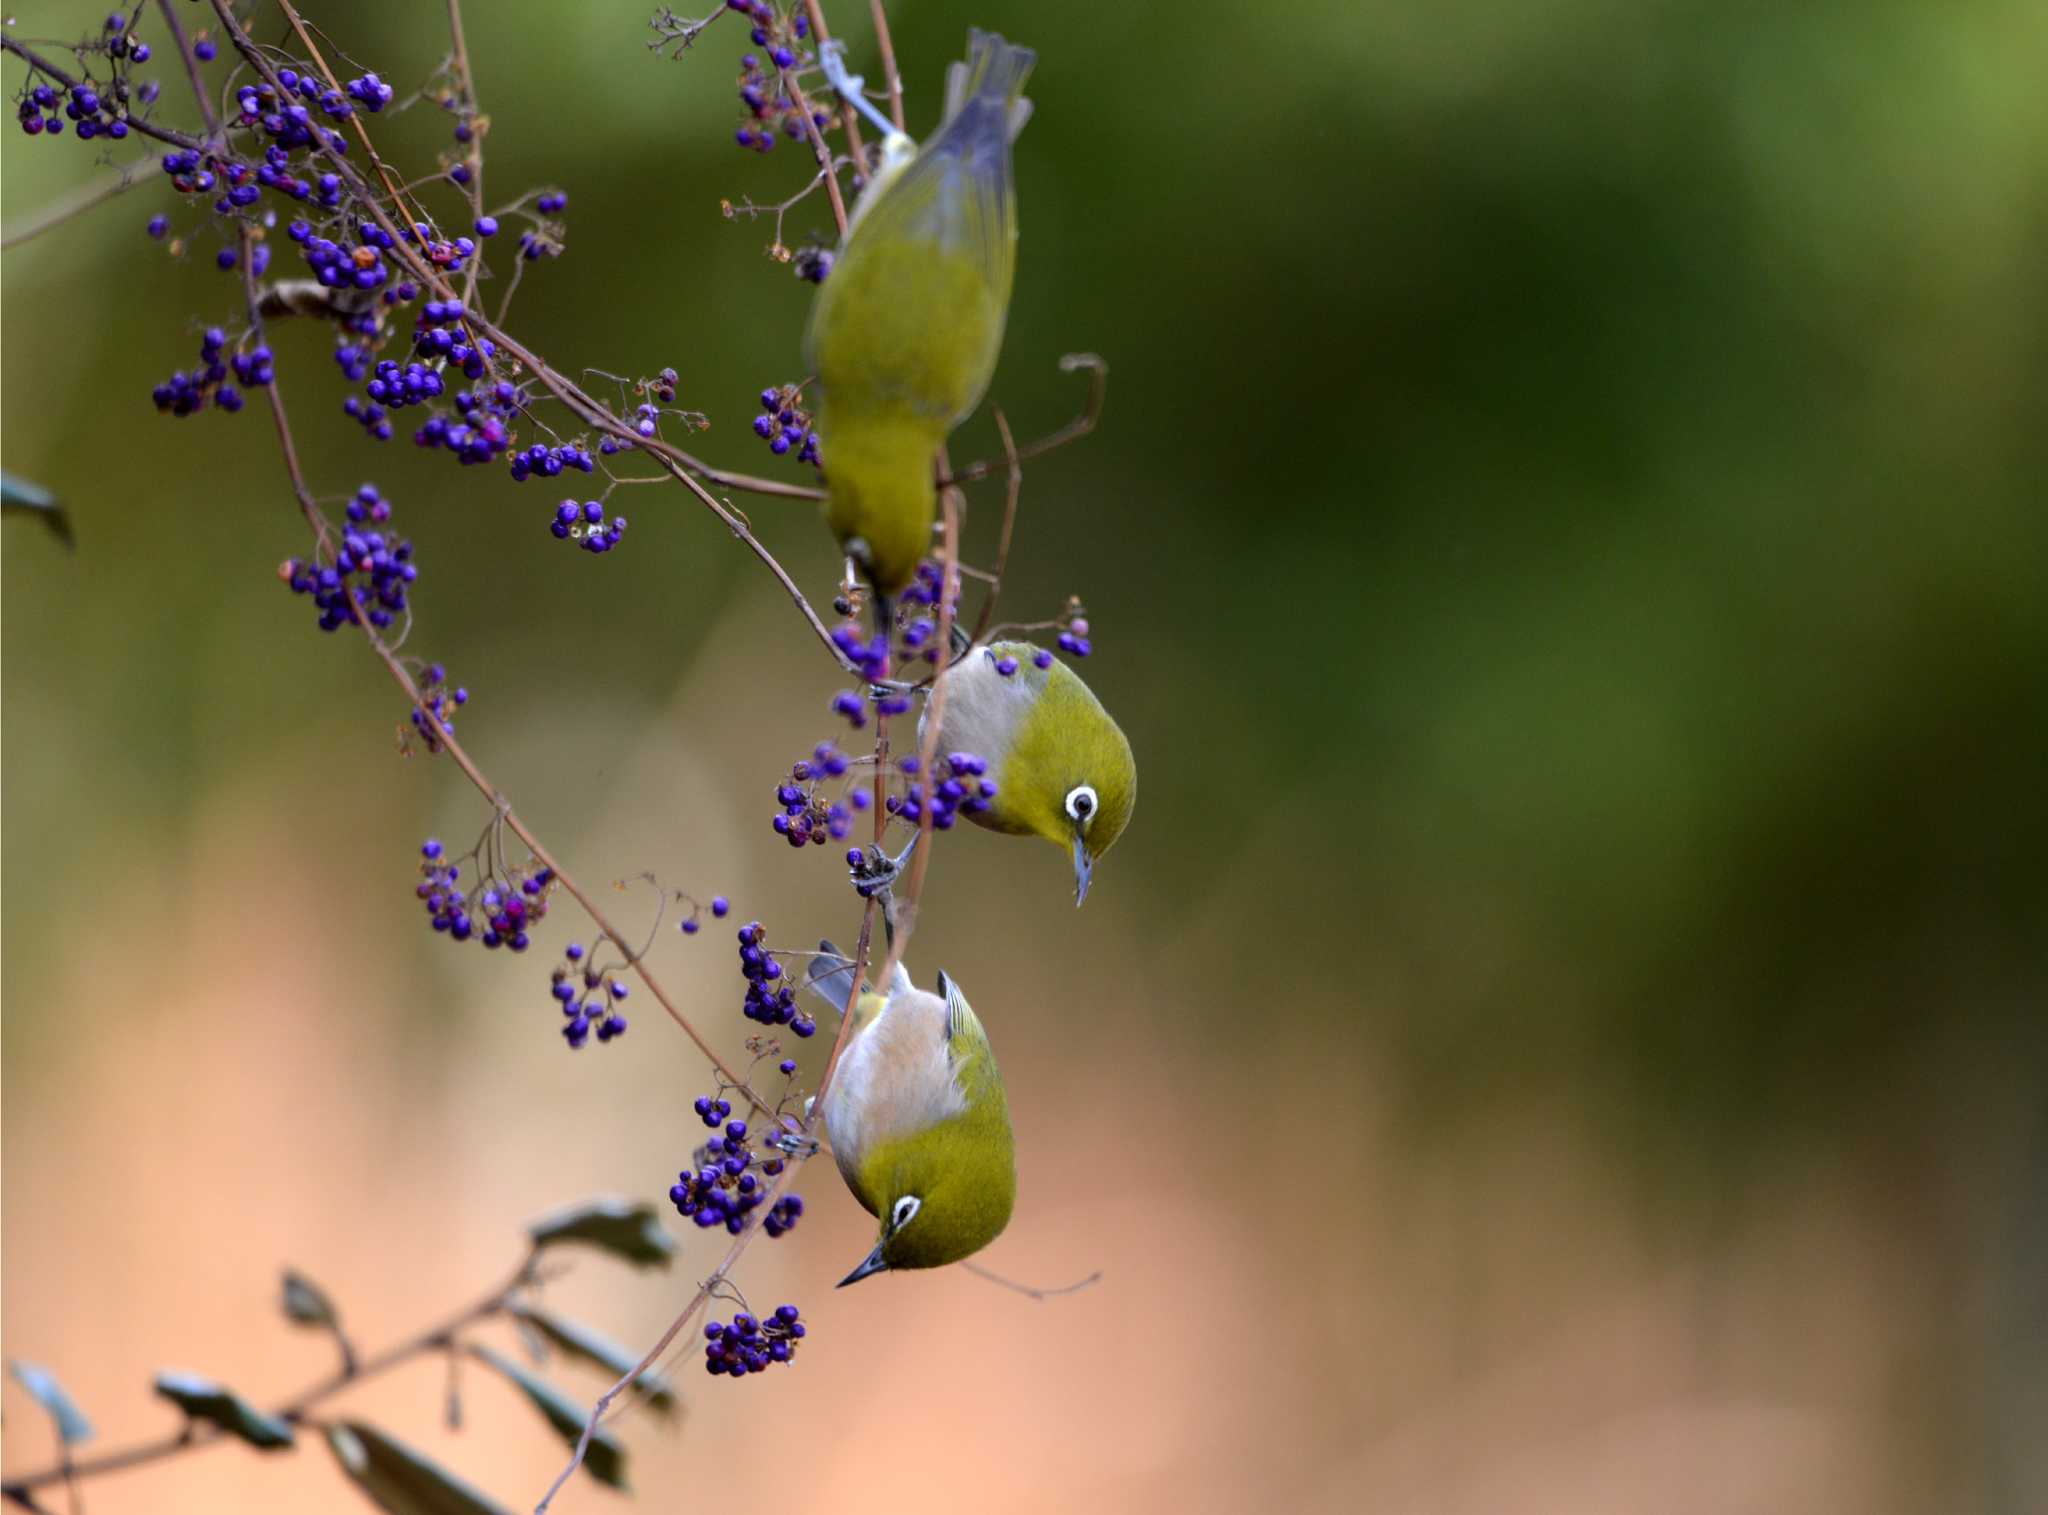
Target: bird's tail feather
993, 70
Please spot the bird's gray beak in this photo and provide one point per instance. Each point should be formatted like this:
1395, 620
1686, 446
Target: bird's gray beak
1083, 863
872, 1263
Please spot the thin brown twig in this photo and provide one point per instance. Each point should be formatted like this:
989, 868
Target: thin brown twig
847, 113
889, 72
934, 715
819, 146
141, 124
675, 461
294, 1409
717, 1276
298, 25
88, 196
466, 83
446, 738
1091, 413
1015, 488
1030, 1291
178, 40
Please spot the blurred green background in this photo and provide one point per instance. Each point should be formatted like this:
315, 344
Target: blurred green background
1567, 542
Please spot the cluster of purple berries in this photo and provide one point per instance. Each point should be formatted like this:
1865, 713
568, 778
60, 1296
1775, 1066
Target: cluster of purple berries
807, 816
964, 789
482, 430
190, 173
725, 1186
508, 908
439, 333
870, 656
339, 267
917, 613
585, 525
543, 241
770, 998
92, 114
372, 93
121, 42
285, 119
595, 1007
369, 576
785, 425
442, 699
768, 103
749, 1346
395, 387
548, 461
1074, 638
368, 414
187, 393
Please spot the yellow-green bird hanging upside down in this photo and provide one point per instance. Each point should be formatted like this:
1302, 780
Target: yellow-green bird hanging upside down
918, 1121
1057, 765
905, 330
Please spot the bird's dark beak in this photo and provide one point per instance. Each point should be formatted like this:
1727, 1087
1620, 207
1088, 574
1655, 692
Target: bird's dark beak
872, 1263
1083, 863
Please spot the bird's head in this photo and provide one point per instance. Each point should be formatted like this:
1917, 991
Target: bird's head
1070, 776
942, 1194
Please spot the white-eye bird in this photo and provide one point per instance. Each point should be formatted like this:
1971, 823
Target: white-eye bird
1058, 766
905, 331
917, 1119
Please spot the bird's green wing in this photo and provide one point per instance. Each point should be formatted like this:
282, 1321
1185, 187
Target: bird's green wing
964, 1031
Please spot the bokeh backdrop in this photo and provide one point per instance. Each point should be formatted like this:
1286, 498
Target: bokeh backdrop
1564, 1030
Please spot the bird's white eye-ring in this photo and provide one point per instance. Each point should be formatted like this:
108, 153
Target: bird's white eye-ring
1082, 803
904, 1212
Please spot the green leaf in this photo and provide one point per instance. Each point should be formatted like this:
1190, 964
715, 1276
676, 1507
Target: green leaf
203, 1399
305, 1301
606, 1458
627, 1229
42, 1385
579, 1341
400, 1480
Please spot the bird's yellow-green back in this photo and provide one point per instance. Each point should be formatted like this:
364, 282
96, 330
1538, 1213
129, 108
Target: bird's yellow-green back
905, 332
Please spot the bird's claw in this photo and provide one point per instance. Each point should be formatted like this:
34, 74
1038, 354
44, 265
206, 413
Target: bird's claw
875, 872
832, 59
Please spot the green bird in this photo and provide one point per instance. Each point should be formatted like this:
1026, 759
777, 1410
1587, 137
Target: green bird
905, 331
1058, 766
917, 1119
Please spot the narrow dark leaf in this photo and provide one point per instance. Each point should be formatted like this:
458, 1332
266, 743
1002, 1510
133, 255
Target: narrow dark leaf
627, 1229
400, 1480
579, 1341
306, 1302
42, 1384
606, 1458
203, 1399
25, 496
